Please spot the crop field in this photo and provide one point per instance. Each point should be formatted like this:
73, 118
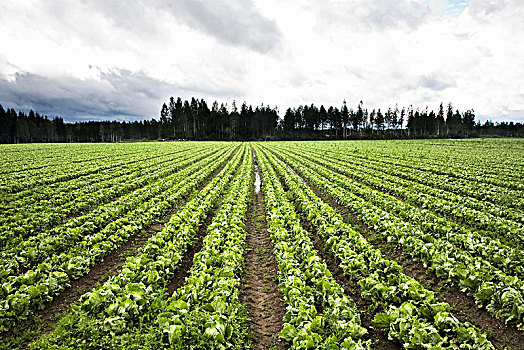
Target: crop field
413, 244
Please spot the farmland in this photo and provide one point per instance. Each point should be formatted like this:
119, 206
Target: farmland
415, 244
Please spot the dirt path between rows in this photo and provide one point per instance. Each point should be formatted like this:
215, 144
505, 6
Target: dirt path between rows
464, 308
501, 335
441, 215
379, 338
187, 260
45, 320
98, 274
260, 293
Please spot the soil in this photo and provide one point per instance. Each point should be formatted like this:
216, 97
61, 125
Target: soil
464, 308
461, 222
98, 274
67, 177
501, 335
187, 261
260, 293
45, 320
379, 339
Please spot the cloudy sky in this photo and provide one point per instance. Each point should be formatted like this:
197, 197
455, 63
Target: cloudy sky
109, 59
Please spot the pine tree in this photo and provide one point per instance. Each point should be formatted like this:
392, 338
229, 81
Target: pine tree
323, 119
379, 120
345, 118
164, 122
372, 117
440, 119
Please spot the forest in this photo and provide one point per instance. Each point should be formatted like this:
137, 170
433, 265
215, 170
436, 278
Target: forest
195, 120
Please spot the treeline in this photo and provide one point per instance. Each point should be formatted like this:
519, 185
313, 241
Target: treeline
195, 120
18, 127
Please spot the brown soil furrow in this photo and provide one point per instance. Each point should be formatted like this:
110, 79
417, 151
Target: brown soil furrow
44, 321
108, 266
260, 293
187, 260
446, 216
98, 274
465, 309
379, 338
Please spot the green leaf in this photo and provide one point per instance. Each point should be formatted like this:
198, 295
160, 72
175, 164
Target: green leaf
175, 333
381, 320
228, 332
289, 332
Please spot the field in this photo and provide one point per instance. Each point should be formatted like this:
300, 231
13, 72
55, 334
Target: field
303, 245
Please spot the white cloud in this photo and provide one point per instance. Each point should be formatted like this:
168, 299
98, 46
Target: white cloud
279, 53
434, 83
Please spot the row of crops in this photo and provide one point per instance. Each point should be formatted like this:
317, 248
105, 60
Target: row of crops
455, 206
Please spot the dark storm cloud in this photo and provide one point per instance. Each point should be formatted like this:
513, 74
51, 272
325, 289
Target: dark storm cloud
75, 99
239, 25
118, 94
233, 23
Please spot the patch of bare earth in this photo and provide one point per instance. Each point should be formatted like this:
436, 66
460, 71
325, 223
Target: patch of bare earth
260, 293
44, 321
508, 240
501, 335
379, 338
187, 260
98, 274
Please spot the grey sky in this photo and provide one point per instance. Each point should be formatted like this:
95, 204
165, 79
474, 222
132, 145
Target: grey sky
106, 59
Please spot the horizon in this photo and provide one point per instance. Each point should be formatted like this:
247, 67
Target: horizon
103, 61
279, 114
